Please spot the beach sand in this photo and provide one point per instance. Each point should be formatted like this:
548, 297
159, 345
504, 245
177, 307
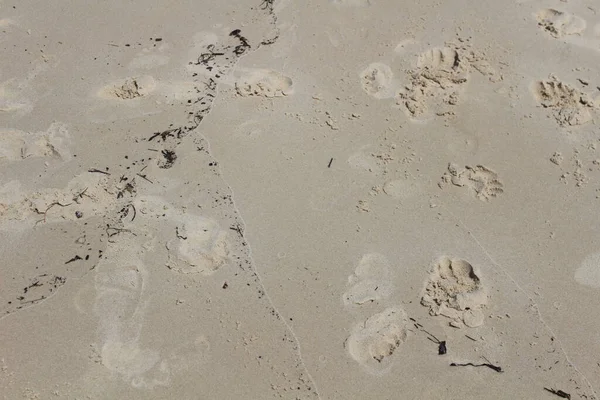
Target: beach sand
334, 199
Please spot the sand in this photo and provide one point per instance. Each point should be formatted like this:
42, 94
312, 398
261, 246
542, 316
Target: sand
299, 200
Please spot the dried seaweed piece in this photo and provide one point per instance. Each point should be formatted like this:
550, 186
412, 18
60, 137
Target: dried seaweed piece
494, 367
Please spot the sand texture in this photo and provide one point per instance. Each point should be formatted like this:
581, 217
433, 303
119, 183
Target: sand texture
276, 199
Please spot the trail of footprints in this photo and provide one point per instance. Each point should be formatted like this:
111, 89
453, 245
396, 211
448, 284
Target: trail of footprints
453, 290
375, 342
436, 82
138, 223
439, 79
456, 294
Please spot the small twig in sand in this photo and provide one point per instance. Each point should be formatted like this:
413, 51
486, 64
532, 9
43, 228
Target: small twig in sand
116, 231
559, 393
74, 259
238, 229
144, 177
98, 171
441, 343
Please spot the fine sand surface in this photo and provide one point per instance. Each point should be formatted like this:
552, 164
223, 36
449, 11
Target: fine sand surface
300, 199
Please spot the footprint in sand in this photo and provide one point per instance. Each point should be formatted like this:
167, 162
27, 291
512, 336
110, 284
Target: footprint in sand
436, 83
197, 244
569, 106
439, 78
17, 145
559, 23
15, 93
375, 343
262, 83
120, 307
400, 188
454, 290
86, 195
370, 282
129, 88
12, 100
200, 246
483, 182
364, 160
588, 273
377, 81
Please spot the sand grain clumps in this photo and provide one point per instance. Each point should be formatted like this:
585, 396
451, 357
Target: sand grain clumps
370, 282
375, 343
263, 83
558, 23
569, 106
437, 81
483, 182
454, 290
129, 88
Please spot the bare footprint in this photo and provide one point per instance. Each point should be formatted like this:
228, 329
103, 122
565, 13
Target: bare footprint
263, 83
569, 106
559, 24
120, 307
370, 282
119, 289
454, 290
483, 182
375, 343
377, 81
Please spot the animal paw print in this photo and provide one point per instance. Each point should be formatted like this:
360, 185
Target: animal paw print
570, 107
559, 23
482, 181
